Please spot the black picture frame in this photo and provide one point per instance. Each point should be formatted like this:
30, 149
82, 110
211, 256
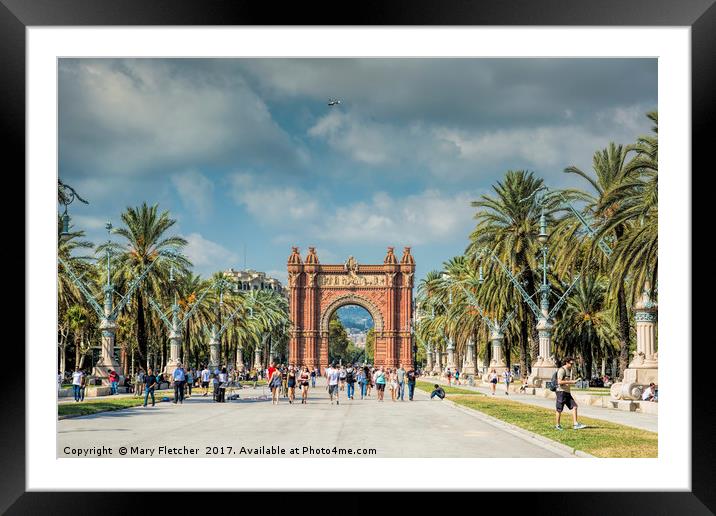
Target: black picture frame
700, 15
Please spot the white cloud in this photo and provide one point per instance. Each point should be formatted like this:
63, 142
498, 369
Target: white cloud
131, 116
87, 222
207, 256
195, 191
271, 204
428, 217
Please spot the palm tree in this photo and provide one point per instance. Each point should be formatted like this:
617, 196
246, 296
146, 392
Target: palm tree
586, 327
77, 319
611, 170
67, 249
637, 208
189, 288
144, 233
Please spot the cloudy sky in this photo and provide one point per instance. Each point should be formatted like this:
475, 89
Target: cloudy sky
249, 159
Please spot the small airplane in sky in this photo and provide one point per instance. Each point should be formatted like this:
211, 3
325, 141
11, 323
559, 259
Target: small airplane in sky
334, 102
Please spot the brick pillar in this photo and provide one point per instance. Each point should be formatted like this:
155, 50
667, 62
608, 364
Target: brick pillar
407, 269
295, 298
311, 322
391, 328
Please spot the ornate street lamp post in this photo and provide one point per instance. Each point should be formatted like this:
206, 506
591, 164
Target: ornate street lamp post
544, 365
67, 195
175, 325
108, 313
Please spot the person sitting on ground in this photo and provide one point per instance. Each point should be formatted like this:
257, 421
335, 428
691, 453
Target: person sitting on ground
438, 391
523, 387
649, 393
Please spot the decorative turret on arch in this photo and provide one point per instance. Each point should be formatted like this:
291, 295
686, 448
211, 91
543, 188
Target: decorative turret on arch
317, 290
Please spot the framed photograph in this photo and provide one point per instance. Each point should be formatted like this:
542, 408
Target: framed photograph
426, 242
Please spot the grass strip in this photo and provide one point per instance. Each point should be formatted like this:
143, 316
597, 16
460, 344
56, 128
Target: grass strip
427, 386
601, 438
85, 408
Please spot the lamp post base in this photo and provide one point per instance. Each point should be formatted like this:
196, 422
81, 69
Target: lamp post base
103, 367
541, 375
634, 382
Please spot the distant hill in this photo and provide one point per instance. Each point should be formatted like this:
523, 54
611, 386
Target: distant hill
355, 317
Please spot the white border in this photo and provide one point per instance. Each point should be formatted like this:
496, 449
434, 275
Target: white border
671, 471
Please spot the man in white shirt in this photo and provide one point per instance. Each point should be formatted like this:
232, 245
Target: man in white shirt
649, 393
332, 377
77, 383
205, 380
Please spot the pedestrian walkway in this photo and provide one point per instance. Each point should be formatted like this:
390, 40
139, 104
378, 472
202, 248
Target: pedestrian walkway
634, 419
419, 428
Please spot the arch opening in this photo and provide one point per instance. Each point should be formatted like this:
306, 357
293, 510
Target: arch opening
351, 335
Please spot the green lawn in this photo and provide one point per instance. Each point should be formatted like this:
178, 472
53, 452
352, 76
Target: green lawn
85, 408
601, 438
427, 386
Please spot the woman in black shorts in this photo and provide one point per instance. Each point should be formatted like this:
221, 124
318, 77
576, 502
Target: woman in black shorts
291, 383
303, 381
493, 380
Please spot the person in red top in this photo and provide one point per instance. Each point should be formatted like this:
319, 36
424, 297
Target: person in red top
113, 380
271, 369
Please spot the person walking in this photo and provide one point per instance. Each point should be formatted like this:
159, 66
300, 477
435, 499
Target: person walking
564, 395
333, 378
350, 381
113, 380
179, 377
150, 381
492, 378
284, 381
83, 385
189, 382
303, 381
275, 385
223, 382
457, 377
411, 376
369, 380
449, 376
401, 383
77, 382
342, 376
291, 383
313, 378
507, 378
361, 379
139, 383
394, 388
380, 382
204, 377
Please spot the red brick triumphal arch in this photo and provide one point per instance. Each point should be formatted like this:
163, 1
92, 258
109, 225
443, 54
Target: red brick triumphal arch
316, 291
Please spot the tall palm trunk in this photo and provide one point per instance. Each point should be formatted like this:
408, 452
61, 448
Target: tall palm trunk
623, 315
524, 338
141, 330
532, 332
78, 338
623, 332
124, 358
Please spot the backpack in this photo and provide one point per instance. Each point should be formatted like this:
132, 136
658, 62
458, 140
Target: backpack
553, 382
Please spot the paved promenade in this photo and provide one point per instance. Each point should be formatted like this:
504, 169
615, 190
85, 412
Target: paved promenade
635, 419
421, 428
